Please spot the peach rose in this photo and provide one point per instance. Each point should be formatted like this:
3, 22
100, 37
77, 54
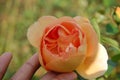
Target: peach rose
66, 44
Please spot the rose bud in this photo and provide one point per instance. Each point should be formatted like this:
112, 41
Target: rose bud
116, 15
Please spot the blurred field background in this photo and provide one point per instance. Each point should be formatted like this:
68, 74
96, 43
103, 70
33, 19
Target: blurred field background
17, 15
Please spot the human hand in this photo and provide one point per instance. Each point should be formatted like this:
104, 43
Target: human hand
58, 76
29, 68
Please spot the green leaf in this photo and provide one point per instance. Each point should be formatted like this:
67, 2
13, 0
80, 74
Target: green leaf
96, 27
110, 42
111, 29
111, 66
109, 3
116, 58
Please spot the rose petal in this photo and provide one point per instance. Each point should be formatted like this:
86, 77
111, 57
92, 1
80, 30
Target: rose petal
91, 37
94, 68
59, 63
65, 65
46, 57
36, 30
65, 18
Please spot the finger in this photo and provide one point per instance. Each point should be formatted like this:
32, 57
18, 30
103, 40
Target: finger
49, 75
4, 62
28, 69
66, 76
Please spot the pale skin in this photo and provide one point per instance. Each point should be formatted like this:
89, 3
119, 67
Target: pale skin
27, 70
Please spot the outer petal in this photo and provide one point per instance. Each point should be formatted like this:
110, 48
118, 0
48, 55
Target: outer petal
36, 30
65, 18
91, 37
93, 69
64, 65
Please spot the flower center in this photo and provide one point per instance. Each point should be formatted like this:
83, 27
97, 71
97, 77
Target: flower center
61, 39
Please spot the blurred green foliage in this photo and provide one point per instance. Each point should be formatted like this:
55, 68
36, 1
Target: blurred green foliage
17, 15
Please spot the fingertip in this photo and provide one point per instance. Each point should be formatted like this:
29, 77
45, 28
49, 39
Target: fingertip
49, 75
9, 54
6, 55
5, 59
74, 75
66, 76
